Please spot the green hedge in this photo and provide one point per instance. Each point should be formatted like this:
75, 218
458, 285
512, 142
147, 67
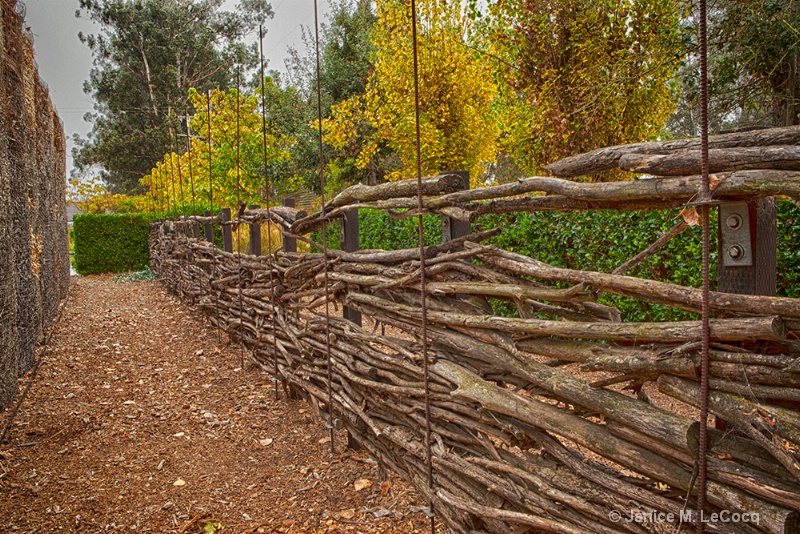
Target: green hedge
111, 243
788, 249
377, 230
601, 241
604, 240
380, 231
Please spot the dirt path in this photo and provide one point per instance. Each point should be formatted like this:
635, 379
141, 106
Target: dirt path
142, 421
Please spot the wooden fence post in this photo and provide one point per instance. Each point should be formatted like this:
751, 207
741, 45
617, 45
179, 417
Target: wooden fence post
289, 243
350, 242
209, 229
255, 235
227, 234
452, 228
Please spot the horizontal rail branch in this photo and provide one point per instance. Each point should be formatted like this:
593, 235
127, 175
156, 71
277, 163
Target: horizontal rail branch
608, 158
649, 194
687, 162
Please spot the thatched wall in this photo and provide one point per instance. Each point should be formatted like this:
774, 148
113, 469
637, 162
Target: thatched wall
34, 259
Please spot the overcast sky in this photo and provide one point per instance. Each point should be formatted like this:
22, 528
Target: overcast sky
64, 62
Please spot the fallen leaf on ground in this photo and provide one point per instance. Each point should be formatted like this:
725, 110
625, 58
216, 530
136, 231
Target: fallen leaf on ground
362, 483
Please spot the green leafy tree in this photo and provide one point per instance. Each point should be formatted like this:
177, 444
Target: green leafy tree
581, 74
457, 92
345, 66
754, 57
147, 55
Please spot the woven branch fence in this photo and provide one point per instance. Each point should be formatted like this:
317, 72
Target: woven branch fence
34, 250
525, 437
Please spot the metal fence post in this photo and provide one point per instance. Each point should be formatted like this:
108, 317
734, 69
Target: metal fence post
747, 250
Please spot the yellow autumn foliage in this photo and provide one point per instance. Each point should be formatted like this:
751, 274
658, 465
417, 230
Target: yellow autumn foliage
457, 92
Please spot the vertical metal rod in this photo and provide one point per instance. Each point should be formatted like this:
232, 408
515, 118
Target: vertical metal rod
211, 211
238, 205
422, 277
172, 180
176, 147
160, 189
149, 195
195, 228
702, 466
210, 172
324, 228
267, 194
180, 283
166, 188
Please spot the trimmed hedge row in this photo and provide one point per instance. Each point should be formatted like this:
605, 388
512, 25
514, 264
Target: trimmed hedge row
601, 241
604, 240
111, 243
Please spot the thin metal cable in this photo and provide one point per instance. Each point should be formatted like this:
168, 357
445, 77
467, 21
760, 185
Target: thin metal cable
171, 170
702, 468
160, 190
328, 358
238, 205
176, 147
166, 189
180, 210
267, 195
211, 210
422, 277
195, 224
191, 170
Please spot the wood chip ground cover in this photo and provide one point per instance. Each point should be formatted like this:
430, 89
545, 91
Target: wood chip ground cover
142, 419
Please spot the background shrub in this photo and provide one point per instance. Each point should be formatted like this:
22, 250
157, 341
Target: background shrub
111, 243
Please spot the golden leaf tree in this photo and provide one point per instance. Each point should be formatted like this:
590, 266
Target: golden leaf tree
457, 94
582, 74
225, 164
